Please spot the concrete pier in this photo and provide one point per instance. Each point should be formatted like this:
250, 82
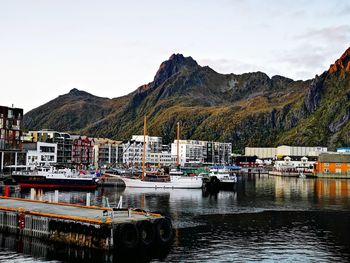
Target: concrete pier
84, 226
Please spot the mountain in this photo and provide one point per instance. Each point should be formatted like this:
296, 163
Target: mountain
250, 109
71, 112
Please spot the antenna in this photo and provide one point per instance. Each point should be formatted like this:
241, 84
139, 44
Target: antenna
178, 144
144, 146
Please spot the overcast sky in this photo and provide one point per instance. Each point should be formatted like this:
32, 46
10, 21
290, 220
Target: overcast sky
109, 48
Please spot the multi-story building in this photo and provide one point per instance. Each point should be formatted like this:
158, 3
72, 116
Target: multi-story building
107, 152
63, 140
218, 152
190, 151
156, 152
11, 129
194, 152
41, 153
82, 150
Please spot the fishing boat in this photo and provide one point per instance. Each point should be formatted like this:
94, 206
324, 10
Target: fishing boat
50, 177
160, 180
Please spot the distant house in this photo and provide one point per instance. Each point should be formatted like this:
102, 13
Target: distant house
333, 165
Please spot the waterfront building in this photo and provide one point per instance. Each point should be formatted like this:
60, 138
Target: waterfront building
41, 153
63, 140
195, 152
156, 152
343, 150
107, 152
218, 152
82, 151
295, 164
300, 151
191, 152
248, 161
284, 150
261, 152
11, 129
333, 164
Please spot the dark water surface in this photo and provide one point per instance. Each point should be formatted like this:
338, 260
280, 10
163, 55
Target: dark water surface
264, 219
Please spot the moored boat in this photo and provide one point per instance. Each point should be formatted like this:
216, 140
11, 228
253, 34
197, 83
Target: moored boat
223, 176
49, 177
157, 179
173, 182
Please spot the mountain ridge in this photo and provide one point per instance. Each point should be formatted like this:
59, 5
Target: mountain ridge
249, 109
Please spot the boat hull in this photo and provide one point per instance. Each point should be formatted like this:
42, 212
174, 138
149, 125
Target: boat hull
88, 183
174, 183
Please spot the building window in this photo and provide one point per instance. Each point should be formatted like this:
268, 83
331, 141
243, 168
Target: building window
10, 114
338, 171
326, 164
338, 164
326, 170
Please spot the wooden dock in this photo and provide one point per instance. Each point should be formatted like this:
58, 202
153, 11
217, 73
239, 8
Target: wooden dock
84, 226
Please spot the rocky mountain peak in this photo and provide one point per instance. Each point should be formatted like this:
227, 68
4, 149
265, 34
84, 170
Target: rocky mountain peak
173, 65
75, 92
342, 64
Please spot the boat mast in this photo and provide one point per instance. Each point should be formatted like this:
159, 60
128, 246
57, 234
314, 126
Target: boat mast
178, 145
144, 146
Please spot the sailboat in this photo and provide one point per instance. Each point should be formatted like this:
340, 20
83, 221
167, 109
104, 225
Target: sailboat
154, 180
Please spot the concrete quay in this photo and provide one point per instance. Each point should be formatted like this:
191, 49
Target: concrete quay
84, 226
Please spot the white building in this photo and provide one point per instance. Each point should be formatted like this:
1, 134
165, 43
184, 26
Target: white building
155, 155
300, 165
190, 151
41, 153
261, 152
284, 150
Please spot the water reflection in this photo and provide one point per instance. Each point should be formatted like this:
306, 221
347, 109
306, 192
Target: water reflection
261, 218
14, 249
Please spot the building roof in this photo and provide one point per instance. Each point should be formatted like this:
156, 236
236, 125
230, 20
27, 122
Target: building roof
334, 158
343, 148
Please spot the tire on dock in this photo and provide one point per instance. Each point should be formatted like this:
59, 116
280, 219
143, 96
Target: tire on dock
164, 231
127, 235
147, 233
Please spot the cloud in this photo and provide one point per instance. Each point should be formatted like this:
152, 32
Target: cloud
315, 50
335, 35
345, 11
224, 65
305, 56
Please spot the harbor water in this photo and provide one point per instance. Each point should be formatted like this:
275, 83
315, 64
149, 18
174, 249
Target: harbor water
263, 218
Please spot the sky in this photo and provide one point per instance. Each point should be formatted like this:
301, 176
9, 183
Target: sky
111, 47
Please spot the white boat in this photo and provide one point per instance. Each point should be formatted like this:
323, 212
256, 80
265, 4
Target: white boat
224, 174
156, 179
174, 172
175, 182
